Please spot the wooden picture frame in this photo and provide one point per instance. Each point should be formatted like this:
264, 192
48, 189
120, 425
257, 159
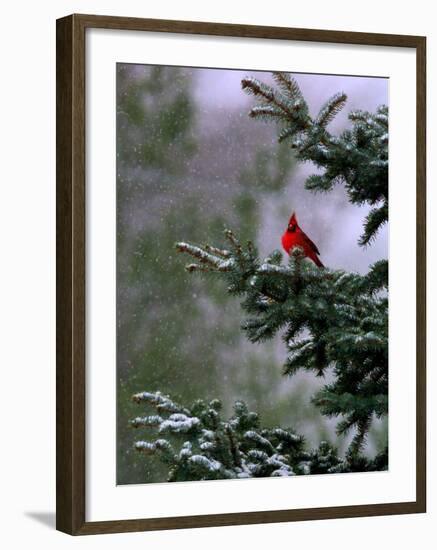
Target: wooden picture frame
71, 254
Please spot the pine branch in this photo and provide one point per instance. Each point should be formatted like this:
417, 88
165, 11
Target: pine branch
330, 110
219, 449
288, 85
206, 255
286, 105
240, 448
375, 219
261, 91
268, 112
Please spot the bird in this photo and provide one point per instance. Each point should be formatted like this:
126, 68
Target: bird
294, 236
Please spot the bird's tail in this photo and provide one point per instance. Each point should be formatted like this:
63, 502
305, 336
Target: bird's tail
317, 261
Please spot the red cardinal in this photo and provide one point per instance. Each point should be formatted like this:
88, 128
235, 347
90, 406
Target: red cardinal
294, 236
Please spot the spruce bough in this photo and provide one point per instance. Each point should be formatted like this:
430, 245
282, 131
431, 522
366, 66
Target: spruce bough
331, 320
209, 447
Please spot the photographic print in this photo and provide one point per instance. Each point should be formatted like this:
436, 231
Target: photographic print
252, 274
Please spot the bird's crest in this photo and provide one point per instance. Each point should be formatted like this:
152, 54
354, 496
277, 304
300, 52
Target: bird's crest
293, 219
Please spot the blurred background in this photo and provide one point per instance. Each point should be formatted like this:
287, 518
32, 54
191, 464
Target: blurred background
189, 163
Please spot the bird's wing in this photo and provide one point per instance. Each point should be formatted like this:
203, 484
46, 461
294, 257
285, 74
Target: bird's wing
310, 243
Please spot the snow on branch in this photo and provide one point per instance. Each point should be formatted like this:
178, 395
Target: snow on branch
235, 448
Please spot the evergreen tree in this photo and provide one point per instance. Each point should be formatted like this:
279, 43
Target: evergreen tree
331, 320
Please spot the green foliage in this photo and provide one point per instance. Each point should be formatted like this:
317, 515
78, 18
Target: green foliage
358, 157
205, 446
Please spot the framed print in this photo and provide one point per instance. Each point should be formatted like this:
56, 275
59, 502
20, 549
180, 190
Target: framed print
240, 274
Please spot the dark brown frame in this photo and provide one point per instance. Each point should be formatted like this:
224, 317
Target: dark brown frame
70, 207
